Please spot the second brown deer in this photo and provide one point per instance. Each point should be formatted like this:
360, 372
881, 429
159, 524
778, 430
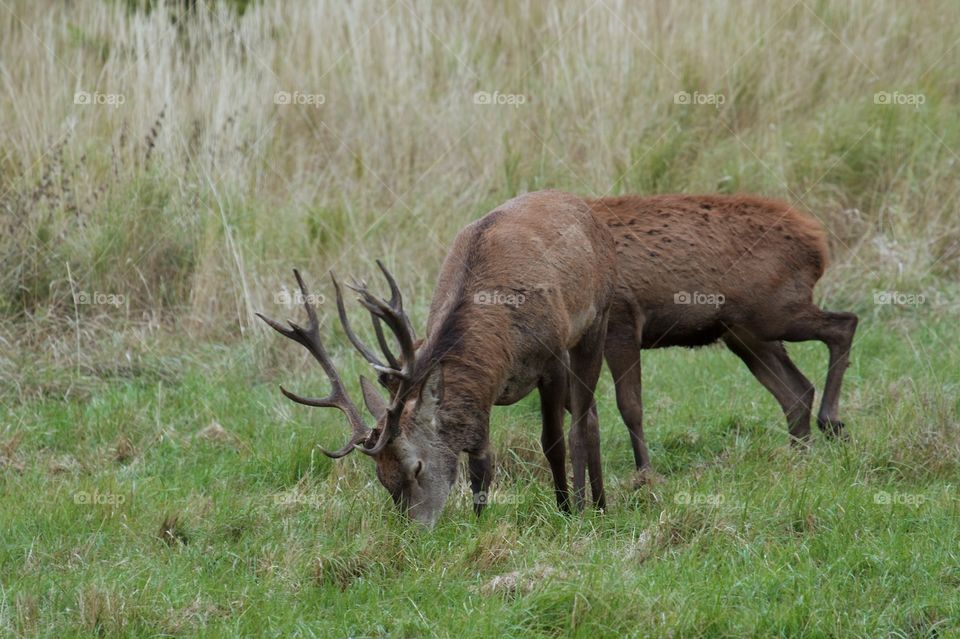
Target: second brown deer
737, 268
521, 303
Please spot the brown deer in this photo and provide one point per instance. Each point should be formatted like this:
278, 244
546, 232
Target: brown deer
521, 303
741, 269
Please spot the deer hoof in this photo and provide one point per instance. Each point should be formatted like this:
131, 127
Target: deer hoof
833, 429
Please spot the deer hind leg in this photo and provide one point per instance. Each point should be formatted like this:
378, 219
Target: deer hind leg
553, 393
770, 364
841, 332
586, 360
623, 358
836, 330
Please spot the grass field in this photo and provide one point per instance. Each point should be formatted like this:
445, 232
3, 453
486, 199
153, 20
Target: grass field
161, 170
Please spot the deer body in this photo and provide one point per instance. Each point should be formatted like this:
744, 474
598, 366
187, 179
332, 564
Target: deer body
522, 297
741, 269
513, 293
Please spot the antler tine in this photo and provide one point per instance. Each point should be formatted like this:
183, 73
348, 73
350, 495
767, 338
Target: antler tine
378, 329
393, 315
396, 299
309, 337
357, 343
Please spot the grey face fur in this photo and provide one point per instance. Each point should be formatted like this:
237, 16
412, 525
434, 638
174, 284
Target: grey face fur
416, 467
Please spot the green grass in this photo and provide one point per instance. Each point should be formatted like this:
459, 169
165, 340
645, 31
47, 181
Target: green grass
213, 512
256, 532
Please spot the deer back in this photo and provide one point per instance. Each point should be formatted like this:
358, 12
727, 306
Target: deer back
694, 263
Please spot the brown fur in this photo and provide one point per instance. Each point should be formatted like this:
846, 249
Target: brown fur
549, 253
522, 299
763, 256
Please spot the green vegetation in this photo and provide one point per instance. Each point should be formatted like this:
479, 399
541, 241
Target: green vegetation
156, 189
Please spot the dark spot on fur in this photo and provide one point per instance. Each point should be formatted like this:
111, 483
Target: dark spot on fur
486, 222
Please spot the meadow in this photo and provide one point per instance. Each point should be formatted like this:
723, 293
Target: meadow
164, 166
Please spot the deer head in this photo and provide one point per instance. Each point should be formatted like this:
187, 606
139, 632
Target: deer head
414, 464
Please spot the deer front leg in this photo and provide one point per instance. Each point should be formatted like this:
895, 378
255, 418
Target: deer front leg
481, 474
553, 394
586, 360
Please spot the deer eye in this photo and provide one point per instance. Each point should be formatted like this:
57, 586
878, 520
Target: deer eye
418, 469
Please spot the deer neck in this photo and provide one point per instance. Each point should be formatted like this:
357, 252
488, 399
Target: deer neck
464, 411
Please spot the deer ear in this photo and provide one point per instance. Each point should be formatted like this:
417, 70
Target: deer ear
372, 398
431, 392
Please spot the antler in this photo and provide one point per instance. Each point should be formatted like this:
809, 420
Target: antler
309, 337
392, 314
382, 311
367, 353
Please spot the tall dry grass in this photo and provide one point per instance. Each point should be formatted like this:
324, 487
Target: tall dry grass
189, 201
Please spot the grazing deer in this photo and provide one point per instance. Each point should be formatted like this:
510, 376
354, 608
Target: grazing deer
741, 269
521, 301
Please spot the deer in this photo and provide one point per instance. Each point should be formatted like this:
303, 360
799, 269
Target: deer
521, 302
741, 269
